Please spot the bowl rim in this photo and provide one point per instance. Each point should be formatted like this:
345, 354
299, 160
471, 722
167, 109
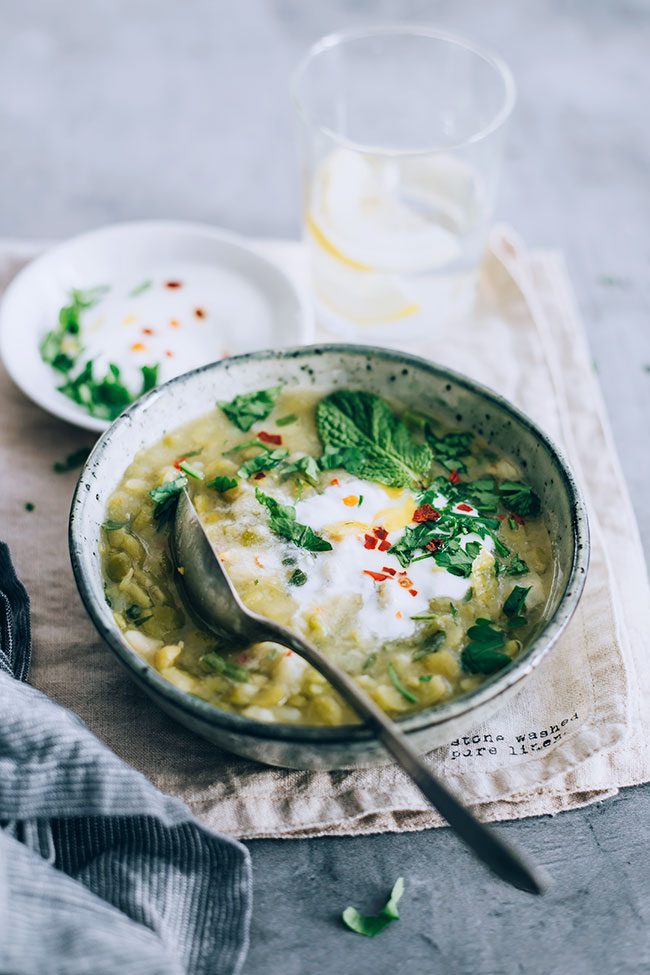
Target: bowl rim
314, 735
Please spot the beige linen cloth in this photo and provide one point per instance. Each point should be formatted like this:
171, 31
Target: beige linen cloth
577, 732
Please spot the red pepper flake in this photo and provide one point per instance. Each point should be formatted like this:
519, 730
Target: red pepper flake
387, 568
335, 481
269, 437
518, 520
403, 573
174, 323
426, 512
259, 476
454, 477
148, 331
413, 592
464, 507
138, 347
177, 463
377, 576
173, 284
369, 541
502, 517
433, 545
380, 532
169, 354
405, 582
199, 312
384, 545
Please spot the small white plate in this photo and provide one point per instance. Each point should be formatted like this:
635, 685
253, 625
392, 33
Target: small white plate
224, 299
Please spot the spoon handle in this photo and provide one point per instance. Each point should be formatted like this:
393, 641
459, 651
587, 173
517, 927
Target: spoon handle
502, 859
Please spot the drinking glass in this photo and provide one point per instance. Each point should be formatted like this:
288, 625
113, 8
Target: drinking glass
401, 138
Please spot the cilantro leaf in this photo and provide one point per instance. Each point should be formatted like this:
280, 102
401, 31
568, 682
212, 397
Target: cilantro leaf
371, 926
282, 522
456, 559
264, 461
222, 483
246, 408
166, 498
348, 418
520, 498
517, 567
516, 601
482, 655
449, 449
307, 466
297, 578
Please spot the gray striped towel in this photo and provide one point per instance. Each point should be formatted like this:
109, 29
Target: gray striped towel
99, 871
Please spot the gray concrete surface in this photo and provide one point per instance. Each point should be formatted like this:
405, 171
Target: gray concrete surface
113, 109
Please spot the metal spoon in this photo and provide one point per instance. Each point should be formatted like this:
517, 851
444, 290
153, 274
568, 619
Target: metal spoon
214, 599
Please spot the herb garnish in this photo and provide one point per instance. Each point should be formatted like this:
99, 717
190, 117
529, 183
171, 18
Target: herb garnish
517, 567
29, 505
520, 498
371, 926
430, 644
222, 483
349, 458
348, 418
307, 466
166, 498
191, 471
214, 661
297, 578
515, 606
282, 522
482, 655
140, 288
75, 459
246, 408
399, 686
284, 421
264, 461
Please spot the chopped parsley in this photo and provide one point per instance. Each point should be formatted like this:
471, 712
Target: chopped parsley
516, 601
214, 661
246, 408
191, 471
520, 498
399, 686
284, 421
371, 926
297, 578
282, 522
307, 466
222, 483
482, 655
166, 498
264, 461
516, 567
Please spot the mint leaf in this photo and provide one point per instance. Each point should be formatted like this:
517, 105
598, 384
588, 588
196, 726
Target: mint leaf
282, 522
246, 408
265, 461
166, 498
349, 458
371, 926
222, 483
348, 418
520, 498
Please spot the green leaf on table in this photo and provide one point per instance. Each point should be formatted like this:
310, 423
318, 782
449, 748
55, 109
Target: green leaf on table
363, 420
246, 408
371, 926
73, 460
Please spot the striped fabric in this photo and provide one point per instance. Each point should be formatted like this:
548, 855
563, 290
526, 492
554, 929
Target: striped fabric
99, 871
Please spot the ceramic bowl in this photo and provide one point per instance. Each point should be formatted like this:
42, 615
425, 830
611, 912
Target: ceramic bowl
412, 380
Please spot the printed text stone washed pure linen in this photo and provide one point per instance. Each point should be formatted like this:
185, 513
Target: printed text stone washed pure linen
575, 734
98, 870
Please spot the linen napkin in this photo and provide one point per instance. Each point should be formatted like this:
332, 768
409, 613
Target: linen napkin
95, 863
576, 733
